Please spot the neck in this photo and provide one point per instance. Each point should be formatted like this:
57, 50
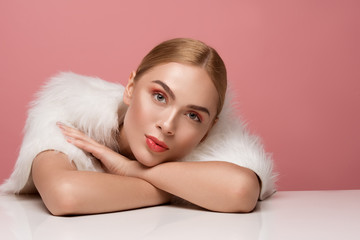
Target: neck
124, 147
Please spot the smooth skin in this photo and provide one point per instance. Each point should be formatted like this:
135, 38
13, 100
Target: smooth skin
174, 103
67, 191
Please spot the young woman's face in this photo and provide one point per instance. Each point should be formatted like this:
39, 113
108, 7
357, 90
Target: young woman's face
171, 109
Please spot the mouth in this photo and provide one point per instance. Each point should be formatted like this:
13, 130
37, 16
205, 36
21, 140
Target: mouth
155, 144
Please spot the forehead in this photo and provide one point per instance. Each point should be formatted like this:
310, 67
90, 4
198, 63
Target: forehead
190, 84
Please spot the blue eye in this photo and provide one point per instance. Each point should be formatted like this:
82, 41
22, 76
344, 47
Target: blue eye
194, 116
159, 97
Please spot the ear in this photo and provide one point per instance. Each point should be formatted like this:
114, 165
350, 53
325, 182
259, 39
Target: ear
129, 89
207, 133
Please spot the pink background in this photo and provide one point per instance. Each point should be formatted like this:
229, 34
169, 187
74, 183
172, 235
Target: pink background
294, 66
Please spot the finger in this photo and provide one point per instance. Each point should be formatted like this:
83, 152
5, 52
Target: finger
67, 129
79, 139
72, 132
84, 145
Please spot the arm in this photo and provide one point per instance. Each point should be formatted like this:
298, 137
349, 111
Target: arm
217, 186
65, 190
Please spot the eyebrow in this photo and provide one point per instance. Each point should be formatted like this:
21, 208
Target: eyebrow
172, 95
166, 88
202, 109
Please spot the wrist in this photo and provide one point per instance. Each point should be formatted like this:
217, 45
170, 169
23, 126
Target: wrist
136, 169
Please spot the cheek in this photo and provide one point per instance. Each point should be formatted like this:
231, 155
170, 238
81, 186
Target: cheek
139, 113
187, 139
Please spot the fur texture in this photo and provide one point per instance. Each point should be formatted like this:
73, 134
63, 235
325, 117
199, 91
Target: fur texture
94, 106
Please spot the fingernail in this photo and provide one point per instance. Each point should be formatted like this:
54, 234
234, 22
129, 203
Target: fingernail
60, 124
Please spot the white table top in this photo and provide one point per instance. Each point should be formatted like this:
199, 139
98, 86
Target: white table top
286, 215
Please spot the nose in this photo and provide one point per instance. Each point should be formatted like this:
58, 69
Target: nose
167, 124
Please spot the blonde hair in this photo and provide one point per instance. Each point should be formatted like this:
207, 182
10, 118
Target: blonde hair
188, 51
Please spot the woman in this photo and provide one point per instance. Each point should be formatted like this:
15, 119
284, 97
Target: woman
160, 136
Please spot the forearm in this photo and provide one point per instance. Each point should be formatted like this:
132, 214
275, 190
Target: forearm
65, 190
217, 186
100, 192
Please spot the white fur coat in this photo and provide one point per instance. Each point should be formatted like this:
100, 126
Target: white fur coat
93, 105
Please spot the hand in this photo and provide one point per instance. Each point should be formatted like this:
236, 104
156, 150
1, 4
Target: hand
112, 161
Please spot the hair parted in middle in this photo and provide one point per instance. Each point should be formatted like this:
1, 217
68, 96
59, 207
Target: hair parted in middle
192, 52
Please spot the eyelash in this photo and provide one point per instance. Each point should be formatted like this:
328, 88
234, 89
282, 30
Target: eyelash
157, 93
198, 118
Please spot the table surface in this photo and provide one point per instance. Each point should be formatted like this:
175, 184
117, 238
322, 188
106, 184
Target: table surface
286, 215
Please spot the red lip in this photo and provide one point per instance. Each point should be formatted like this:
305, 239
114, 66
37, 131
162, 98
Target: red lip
155, 144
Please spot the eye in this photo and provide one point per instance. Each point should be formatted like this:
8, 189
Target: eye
194, 116
159, 97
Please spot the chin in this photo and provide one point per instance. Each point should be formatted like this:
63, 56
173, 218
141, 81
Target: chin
147, 161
